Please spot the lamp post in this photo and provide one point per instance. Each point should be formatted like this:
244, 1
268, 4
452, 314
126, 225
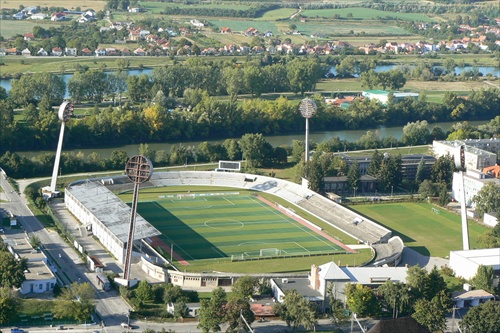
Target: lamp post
307, 108
139, 170
460, 165
66, 110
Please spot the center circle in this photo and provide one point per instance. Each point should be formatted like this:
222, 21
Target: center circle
224, 224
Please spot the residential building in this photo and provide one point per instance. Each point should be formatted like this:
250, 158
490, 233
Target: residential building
71, 51
86, 52
39, 277
38, 16
19, 16
58, 16
29, 36
315, 286
42, 52
475, 158
225, 30
12, 51
473, 183
26, 52
57, 52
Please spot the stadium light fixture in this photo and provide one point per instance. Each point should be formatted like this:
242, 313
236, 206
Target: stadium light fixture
307, 108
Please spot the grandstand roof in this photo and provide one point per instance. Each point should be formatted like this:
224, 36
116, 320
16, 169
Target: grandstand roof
113, 213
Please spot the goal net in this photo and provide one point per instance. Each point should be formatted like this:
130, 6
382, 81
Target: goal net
269, 252
185, 196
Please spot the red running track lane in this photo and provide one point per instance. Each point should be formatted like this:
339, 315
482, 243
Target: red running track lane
305, 224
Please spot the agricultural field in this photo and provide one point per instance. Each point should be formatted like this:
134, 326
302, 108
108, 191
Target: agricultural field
243, 25
334, 28
210, 226
365, 14
422, 229
10, 28
157, 7
277, 14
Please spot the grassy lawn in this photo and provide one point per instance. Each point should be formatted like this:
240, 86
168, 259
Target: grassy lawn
10, 28
335, 28
276, 14
421, 229
395, 151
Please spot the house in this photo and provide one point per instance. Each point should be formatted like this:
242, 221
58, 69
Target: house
139, 52
3, 51
111, 51
268, 34
100, 52
19, 16
197, 23
225, 30
315, 286
70, 51
42, 52
250, 32
38, 16
58, 16
39, 277
29, 36
86, 52
12, 51
135, 9
125, 52
26, 52
57, 52
30, 10
468, 298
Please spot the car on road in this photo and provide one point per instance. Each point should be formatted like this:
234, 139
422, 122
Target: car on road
17, 330
125, 325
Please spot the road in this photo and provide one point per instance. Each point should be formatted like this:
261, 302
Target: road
68, 265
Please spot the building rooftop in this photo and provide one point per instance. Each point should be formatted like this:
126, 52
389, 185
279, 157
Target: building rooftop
301, 285
110, 210
471, 294
330, 271
376, 275
38, 270
486, 257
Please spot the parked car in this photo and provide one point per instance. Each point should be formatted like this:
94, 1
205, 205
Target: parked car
125, 325
17, 330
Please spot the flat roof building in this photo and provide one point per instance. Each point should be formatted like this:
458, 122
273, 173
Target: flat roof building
94, 205
466, 263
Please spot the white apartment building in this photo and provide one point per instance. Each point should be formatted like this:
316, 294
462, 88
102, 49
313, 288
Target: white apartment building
475, 158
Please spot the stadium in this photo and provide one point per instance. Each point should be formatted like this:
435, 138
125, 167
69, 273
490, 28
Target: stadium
190, 216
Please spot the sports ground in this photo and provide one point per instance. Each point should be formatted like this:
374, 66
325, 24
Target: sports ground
229, 224
427, 229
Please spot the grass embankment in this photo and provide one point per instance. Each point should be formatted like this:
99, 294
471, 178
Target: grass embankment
427, 232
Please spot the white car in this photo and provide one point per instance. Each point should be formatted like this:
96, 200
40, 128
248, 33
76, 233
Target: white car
125, 325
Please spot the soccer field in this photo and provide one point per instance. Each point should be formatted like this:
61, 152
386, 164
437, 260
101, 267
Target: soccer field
228, 225
430, 232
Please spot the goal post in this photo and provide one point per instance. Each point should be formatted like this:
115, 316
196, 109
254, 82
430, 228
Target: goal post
269, 252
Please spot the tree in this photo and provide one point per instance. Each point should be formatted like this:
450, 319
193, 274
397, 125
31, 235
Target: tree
484, 278
491, 238
487, 200
427, 189
211, 314
432, 314
434, 284
11, 270
338, 314
8, 304
482, 318
245, 286
232, 149
442, 170
118, 159
444, 196
354, 177
255, 149
397, 296
361, 299
315, 175
422, 172
375, 162
296, 310
416, 133
144, 292
235, 308
76, 301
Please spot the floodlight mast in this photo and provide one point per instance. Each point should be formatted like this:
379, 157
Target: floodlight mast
139, 170
66, 110
460, 165
307, 108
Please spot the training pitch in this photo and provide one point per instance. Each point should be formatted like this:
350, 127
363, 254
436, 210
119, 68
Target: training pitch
230, 224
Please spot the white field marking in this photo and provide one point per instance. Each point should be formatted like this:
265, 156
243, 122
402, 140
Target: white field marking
218, 252
222, 227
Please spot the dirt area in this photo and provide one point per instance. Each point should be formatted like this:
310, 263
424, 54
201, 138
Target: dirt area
69, 4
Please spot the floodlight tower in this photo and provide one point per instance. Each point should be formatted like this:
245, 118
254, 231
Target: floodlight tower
66, 110
460, 165
139, 170
307, 108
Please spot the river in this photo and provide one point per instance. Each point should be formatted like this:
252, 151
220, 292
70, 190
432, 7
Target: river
274, 140
495, 71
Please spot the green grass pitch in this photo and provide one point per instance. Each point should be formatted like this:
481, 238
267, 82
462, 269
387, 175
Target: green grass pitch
427, 232
219, 227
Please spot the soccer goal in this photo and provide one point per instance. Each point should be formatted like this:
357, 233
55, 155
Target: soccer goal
269, 252
185, 196
435, 210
